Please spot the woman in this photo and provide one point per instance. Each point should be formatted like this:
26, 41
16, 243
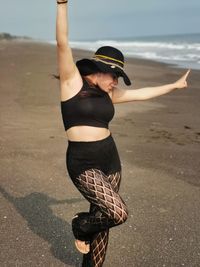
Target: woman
88, 92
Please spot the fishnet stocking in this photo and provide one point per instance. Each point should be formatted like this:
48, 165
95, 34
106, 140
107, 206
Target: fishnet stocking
107, 209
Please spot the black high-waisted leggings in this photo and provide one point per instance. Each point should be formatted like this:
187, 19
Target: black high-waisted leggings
95, 170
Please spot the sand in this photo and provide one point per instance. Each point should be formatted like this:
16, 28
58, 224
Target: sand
159, 144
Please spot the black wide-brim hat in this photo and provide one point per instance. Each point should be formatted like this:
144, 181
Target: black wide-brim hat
106, 59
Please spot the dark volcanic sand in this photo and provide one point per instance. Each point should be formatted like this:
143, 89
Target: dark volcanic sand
159, 145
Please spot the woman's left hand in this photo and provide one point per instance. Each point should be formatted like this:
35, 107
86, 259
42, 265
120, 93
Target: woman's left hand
182, 82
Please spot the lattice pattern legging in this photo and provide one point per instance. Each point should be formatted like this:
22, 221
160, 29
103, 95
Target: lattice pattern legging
107, 210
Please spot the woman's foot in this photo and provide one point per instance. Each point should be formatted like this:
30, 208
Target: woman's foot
82, 246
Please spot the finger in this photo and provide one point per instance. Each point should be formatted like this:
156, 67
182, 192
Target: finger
187, 73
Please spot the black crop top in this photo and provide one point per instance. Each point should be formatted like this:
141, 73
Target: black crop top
91, 106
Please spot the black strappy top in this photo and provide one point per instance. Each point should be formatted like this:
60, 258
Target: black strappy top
91, 106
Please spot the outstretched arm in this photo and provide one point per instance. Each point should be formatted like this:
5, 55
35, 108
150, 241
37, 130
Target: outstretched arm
65, 60
121, 96
70, 79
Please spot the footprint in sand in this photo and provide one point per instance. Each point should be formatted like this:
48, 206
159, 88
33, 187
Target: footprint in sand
182, 138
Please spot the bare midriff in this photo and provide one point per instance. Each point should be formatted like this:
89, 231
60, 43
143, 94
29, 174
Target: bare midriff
87, 133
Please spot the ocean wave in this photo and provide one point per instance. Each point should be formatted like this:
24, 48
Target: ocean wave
156, 56
124, 45
181, 53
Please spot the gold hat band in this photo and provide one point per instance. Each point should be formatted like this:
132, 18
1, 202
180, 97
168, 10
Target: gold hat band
107, 63
110, 58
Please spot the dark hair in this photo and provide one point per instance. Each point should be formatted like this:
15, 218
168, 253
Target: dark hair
56, 76
88, 69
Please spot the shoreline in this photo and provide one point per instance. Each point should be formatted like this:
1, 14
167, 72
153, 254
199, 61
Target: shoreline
175, 64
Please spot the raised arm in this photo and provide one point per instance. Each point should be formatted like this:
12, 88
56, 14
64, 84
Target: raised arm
69, 75
121, 96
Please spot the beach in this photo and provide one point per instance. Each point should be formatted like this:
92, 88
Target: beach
159, 145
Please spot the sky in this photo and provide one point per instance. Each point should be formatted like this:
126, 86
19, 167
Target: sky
104, 19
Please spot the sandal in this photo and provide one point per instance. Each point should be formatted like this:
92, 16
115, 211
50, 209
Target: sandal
82, 246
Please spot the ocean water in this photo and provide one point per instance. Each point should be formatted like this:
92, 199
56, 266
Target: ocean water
181, 50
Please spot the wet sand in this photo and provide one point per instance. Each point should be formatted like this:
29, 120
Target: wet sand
159, 144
